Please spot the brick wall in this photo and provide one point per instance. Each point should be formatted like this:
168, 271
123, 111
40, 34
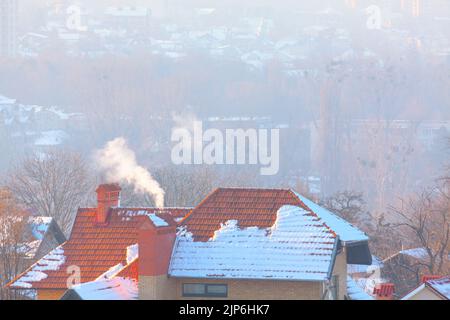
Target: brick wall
50, 294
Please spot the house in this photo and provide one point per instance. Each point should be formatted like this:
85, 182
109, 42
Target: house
434, 288
404, 269
101, 245
236, 244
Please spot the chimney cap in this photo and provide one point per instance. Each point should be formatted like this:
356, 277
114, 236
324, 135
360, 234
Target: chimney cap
109, 187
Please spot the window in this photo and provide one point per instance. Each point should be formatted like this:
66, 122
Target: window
205, 290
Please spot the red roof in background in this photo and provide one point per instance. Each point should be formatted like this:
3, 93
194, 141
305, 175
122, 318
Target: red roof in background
96, 248
384, 290
251, 207
428, 277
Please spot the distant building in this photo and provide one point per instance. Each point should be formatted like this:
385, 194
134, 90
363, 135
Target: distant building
434, 288
8, 27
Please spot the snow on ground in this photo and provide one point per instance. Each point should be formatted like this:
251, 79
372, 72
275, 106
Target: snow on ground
51, 262
110, 289
298, 247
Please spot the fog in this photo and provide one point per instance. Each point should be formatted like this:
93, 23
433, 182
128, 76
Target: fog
360, 90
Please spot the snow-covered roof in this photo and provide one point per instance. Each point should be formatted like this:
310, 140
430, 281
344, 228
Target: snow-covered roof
355, 292
297, 247
417, 253
111, 289
441, 287
346, 231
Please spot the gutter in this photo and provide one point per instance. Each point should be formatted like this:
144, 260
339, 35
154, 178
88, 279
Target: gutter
333, 257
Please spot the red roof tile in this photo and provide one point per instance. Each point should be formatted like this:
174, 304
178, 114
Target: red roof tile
384, 290
251, 207
428, 277
96, 248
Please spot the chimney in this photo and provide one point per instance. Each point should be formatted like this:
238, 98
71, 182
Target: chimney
384, 291
155, 251
108, 196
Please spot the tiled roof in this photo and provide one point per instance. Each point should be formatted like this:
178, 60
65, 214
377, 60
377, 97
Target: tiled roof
96, 248
258, 234
258, 208
441, 286
254, 234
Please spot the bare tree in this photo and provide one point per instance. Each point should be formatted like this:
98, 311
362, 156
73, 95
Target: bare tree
425, 222
12, 223
349, 205
54, 185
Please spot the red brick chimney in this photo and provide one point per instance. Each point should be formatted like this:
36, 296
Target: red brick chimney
155, 249
384, 291
108, 196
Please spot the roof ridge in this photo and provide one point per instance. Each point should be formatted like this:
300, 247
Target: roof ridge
186, 217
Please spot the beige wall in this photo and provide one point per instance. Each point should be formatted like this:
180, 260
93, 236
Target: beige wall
162, 287
425, 294
169, 288
340, 269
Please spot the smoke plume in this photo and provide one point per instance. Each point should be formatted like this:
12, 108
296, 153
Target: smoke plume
119, 163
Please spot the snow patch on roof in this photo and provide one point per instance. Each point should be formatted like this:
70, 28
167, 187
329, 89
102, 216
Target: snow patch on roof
297, 247
111, 272
346, 231
157, 221
109, 289
132, 253
51, 262
418, 253
441, 285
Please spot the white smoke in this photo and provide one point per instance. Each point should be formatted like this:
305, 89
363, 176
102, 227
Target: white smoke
119, 163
